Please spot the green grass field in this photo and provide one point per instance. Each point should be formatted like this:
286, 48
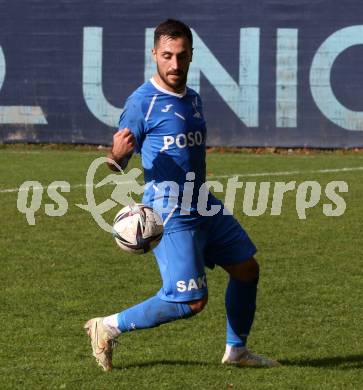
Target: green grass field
64, 270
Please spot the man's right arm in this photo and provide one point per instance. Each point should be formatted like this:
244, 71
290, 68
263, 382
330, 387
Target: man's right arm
122, 149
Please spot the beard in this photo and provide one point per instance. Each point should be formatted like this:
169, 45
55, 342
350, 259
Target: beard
177, 84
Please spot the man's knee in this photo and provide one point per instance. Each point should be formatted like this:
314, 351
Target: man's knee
247, 271
198, 305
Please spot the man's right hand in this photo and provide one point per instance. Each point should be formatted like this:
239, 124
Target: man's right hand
123, 143
122, 148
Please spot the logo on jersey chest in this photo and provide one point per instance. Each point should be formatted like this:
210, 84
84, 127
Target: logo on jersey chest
191, 284
167, 108
196, 114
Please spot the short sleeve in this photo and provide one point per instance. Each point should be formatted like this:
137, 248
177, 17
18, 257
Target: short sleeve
132, 117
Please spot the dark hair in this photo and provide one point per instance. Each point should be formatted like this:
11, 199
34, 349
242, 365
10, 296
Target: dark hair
174, 29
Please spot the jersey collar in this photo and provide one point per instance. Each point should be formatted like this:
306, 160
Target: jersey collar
161, 89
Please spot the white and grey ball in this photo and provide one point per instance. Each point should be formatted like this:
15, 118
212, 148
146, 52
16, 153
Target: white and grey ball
137, 228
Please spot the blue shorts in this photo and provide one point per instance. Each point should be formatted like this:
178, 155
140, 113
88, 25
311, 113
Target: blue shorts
182, 255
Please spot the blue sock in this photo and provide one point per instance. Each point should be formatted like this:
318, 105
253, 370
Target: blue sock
150, 313
240, 306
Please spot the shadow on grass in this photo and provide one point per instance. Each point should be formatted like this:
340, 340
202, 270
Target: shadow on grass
340, 362
165, 362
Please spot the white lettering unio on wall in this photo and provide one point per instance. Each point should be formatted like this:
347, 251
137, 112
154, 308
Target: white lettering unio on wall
241, 96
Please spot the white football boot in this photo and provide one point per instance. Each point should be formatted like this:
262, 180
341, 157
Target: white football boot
103, 341
242, 357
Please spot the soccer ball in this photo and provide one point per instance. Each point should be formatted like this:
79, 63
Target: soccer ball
137, 228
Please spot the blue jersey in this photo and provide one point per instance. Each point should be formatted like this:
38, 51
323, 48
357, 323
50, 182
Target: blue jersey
170, 133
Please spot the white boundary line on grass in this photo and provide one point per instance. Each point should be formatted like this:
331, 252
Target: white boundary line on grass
283, 173
287, 173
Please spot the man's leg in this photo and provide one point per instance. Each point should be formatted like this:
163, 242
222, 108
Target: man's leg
240, 301
184, 293
230, 247
152, 313
103, 331
240, 307
180, 260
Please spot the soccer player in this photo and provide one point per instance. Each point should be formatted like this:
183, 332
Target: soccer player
163, 120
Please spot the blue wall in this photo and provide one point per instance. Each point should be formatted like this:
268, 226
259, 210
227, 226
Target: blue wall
270, 72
